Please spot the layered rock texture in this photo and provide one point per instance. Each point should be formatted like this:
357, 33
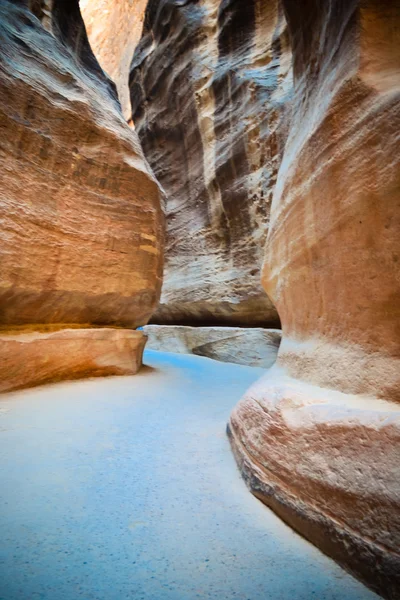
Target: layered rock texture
318, 438
209, 84
114, 28
237, 104
81, 223
254, 347
50, 356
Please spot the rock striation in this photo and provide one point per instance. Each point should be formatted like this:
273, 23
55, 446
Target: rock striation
114, 28
318, 438
254, 347
50, 356
210, 82
81, 222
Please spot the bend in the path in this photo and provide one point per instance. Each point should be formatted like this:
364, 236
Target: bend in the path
125, 488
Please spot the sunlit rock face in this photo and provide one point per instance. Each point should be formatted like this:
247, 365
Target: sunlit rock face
81, 223
210, 83
319, 437
254, 346
114, 28
53, 355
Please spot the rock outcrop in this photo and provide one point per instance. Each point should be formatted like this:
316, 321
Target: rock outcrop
318, 438
81, 222
114, 28
50, 356
209, 84
253, 347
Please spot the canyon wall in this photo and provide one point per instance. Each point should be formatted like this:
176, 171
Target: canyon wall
81, 222
114, 28
269, 124
318, 438
210, 83
250, 346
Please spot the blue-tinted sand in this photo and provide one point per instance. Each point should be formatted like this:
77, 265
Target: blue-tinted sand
126, 488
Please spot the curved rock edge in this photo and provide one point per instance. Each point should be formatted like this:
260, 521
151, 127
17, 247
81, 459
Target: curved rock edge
30, 358
375, 566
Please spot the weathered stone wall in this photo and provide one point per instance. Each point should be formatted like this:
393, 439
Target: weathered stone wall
254, 346
319, 437
209, 84
81, 222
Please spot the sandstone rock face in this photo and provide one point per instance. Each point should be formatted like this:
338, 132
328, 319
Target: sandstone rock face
319, 437
209, 84
67, 354
254, 347
81, 223
114, 28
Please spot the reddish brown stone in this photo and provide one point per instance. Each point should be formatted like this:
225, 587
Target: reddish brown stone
114, 28
319, 437
33, 358
80, 216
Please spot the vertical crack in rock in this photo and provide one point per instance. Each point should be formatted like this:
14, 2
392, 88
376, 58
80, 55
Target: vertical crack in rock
205, 57
114, 28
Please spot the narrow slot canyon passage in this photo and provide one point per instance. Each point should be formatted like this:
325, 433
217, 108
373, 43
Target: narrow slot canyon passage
199, 299
117, 488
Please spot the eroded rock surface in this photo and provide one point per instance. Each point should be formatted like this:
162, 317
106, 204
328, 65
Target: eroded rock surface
319, 437
209, 84
81, 223
114, 28
67, 354
254, 347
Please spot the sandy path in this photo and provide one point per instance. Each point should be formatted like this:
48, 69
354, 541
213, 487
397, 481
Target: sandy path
125, 488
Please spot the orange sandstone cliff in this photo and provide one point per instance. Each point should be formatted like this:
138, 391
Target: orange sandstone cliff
318, 438
114, 28
81, 224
